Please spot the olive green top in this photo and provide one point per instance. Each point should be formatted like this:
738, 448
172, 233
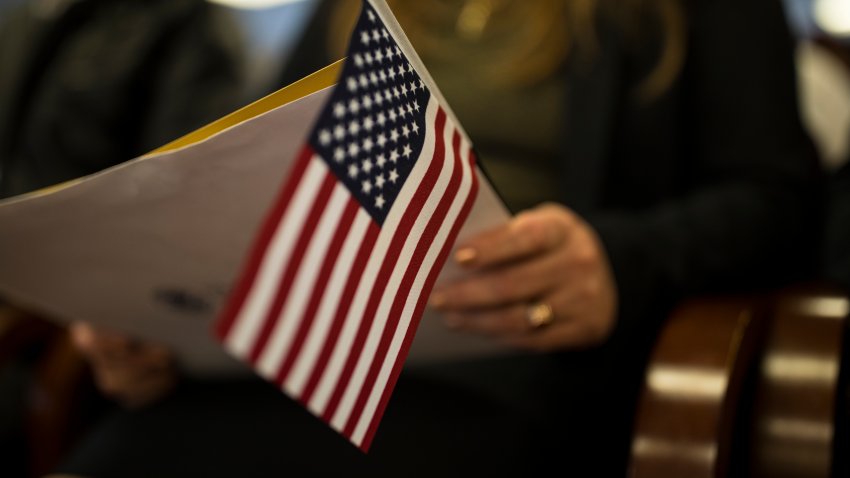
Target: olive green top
516, 130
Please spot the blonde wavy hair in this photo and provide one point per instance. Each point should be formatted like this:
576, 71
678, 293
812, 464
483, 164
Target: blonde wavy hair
545, 33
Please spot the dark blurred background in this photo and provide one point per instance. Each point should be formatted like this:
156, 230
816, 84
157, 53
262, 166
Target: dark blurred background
268, 30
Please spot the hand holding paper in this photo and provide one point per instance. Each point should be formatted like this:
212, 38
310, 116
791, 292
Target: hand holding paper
547, 263
354, 229
134, 373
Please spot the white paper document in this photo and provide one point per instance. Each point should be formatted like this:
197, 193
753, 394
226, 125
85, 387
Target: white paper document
153, 246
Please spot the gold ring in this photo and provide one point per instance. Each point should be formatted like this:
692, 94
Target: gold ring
539, 315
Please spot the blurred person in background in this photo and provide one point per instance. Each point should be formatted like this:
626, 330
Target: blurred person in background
652, 150
88, 84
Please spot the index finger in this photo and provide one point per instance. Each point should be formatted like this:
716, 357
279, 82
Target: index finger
98, 343
528, 234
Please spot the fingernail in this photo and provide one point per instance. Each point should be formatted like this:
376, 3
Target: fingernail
466, 256
438, 300
82, 334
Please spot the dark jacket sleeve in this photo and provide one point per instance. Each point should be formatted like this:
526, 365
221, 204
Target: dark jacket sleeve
195, 74
313, 52
747, 213
107, 81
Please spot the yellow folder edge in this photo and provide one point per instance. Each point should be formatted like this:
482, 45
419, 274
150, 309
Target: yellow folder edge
308, 85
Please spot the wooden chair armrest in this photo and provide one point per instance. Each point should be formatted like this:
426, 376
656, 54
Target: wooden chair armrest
687, 409
743, 386
792, 425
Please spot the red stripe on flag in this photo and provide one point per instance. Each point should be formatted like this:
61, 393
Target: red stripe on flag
420, 307
261, 244
410, 274
294, 264
318, 288
406, 224
347, 297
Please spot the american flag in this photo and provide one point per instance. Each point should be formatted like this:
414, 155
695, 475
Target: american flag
334, 288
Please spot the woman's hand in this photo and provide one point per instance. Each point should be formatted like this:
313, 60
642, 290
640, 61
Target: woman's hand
542, 282
131, 372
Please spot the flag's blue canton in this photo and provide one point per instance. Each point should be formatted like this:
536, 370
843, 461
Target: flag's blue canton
372, 130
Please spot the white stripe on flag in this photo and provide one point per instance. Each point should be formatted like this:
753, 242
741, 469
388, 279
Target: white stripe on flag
306, 360
335, 365
376, 331
416, 290
291, 314
249, 320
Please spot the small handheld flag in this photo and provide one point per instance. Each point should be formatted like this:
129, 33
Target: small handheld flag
331, 295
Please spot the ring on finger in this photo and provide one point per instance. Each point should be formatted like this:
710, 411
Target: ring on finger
539, 315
